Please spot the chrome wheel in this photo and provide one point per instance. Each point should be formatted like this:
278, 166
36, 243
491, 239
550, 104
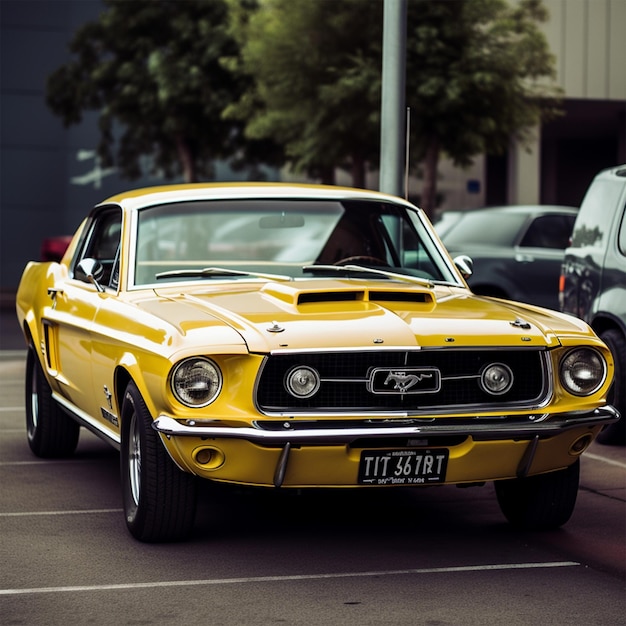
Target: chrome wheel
134, 459
32, 416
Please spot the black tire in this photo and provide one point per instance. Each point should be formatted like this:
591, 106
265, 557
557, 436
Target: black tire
615, 434
51, 432
541, 502
159, 498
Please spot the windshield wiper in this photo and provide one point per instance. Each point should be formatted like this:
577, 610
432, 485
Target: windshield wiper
217, 272
360, 269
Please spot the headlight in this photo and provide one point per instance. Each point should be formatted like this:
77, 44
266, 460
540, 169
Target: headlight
302, 382
583, 371
196, 382
496, 379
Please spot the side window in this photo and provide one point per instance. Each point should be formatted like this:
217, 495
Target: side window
102, 244
549, 231
408, 249
596, 215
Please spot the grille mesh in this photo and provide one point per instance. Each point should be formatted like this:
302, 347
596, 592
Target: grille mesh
345, 377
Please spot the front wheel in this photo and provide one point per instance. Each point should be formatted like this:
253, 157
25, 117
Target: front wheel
159, 499
51, 432
541, 502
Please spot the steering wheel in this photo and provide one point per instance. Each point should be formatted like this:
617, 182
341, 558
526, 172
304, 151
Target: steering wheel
371, 260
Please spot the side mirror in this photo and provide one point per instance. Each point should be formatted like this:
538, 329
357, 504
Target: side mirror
90, 270
465, 265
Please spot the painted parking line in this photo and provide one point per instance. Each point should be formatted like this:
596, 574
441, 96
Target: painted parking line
266, 579
58, 513
596, 457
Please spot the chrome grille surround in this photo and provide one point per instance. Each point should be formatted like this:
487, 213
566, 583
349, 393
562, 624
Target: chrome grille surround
347, 381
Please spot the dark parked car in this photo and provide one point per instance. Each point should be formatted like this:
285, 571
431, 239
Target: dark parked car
517, 251
593, 283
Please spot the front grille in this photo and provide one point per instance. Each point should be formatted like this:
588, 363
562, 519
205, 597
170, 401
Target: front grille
346, 381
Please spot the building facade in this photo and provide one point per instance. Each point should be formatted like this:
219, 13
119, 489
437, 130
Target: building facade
587, 38
51, 176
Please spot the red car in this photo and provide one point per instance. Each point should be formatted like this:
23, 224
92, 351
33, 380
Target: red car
53, 248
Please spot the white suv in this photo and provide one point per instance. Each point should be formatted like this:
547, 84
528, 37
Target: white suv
593, 278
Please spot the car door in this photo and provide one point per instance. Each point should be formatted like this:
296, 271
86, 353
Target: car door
76, 300
539, 255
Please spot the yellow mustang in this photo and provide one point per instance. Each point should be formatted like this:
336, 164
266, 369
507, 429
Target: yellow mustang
300, 336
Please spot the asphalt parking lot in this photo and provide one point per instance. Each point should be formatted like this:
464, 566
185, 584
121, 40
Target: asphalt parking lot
428, 557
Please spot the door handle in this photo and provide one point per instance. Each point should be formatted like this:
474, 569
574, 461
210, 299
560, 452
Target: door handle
524, 258
53, 292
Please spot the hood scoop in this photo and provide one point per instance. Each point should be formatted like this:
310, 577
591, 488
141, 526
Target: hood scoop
330, 296
298, 297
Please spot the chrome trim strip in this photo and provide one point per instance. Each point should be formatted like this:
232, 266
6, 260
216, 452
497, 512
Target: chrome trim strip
88, 421
414, 348
345, 349
490, 431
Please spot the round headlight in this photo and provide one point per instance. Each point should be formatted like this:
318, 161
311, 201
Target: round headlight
583, 371
196, 382
302, 382
496, 378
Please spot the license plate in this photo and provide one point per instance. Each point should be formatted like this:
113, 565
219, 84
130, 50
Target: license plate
403, 467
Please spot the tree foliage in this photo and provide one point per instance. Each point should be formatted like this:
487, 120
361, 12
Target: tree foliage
152, 71
298, 81
316, 69
479, 74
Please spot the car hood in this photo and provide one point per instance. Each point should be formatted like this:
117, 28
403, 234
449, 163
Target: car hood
307, 315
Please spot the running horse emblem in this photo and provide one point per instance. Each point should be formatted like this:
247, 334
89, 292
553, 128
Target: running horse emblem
403, 381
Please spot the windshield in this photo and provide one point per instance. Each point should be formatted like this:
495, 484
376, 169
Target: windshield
235, 238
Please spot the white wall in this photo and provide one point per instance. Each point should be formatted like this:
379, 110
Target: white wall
588, 38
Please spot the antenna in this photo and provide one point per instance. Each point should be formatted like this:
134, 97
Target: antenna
406, 153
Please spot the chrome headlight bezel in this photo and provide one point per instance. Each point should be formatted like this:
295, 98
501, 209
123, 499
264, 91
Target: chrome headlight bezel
207, 384
488, 383
312, 384
575, 363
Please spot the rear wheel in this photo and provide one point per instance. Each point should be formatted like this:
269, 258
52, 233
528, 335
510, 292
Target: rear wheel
159, 499
540, 502
51, 432
615, 434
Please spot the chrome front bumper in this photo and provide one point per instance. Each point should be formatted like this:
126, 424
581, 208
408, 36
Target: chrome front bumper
343, 431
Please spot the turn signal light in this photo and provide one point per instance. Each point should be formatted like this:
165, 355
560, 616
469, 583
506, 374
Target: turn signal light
581, 444
209, 458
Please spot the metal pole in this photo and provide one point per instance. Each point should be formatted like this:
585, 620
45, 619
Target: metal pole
392, 115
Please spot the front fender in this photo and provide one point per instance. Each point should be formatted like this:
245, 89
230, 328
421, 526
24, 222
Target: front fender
33, 297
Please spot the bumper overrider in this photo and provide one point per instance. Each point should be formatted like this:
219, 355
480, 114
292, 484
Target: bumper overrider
319, 432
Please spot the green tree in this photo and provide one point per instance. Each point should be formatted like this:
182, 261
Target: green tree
479, 74
152, 70
316, 71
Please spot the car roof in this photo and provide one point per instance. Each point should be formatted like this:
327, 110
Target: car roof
612, 173
530, 209
150, 196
